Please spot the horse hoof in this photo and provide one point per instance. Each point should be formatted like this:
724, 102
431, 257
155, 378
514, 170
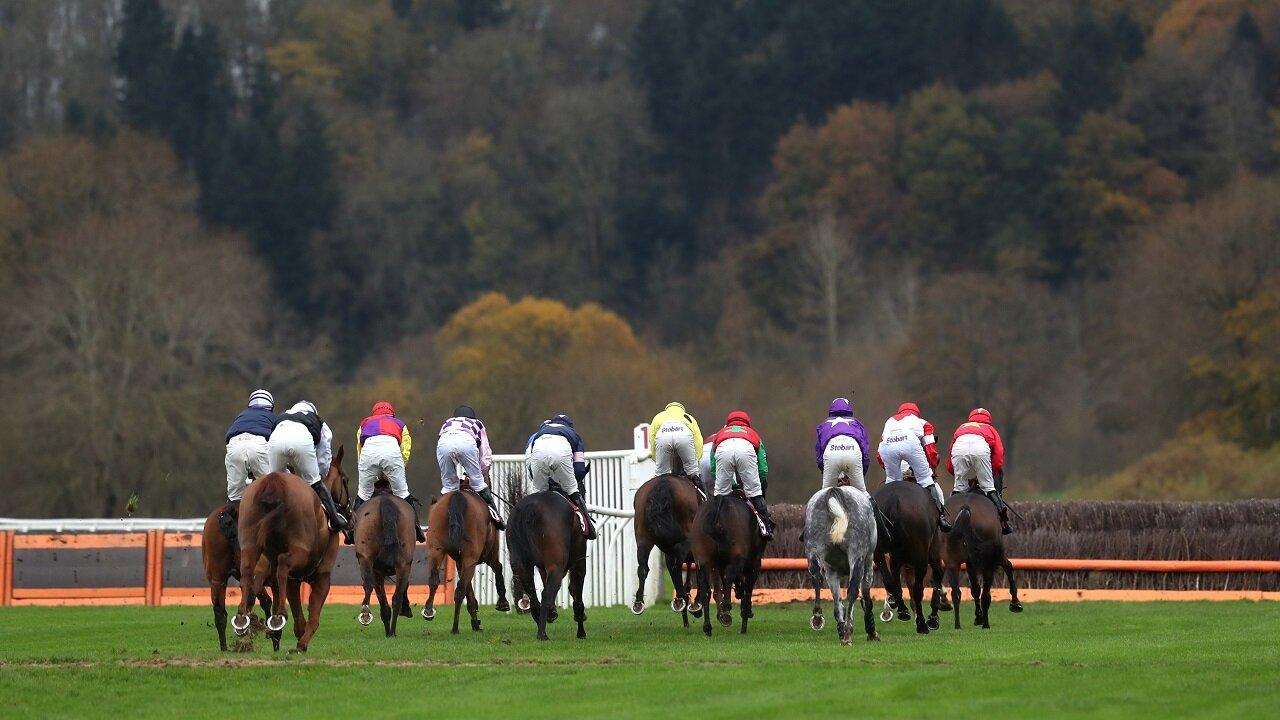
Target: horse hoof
1015, 606
904, 615
365, 617
637, 607
725, 619
695, 607
240, 624
428, 613
886, 615
523, 604
817, 622
553, 615
503, 606
873, 637
846, 640
922, 629
276, 623
933, 623
678, 604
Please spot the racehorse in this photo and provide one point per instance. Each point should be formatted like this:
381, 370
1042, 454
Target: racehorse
281, 519
975, 539
665, 507
459, 526
543, 532
840, 540
727, 546
913, 542
222, 562
384, 540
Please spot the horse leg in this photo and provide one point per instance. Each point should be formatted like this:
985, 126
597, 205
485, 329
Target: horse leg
433, 584
578, 576
975, 591
319, 592
816, 574
988, 575
276, 623
400, 600
833, 583
500, 583
250, 586
917, 596
899, 601
705, 590
466, 568
384, 608
551, 579
366, 578
643, 549
868, 621
881, 566
473, 608
953, 577
724, 600
677, 582
218, 596
750, 574
294, 594
1015, 605
935, 603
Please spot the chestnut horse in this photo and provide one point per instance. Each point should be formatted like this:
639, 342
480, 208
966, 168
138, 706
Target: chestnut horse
543, 533
727, 545
221, 563
282, 520
385, 538
665, 507
459, 526
975, 540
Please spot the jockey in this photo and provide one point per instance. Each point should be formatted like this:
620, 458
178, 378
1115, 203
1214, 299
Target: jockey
302, 440
842, 447
383, 444
674, 435
976, 452
247, 459
555, 452
908, 439
737, 454
464, 441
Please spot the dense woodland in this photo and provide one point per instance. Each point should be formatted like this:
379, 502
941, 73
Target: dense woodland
1067, 211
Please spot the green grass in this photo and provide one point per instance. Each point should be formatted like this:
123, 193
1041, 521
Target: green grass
1083, 659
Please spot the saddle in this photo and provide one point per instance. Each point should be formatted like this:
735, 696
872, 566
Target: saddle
702, 496
742, 495
493, 511
579, 513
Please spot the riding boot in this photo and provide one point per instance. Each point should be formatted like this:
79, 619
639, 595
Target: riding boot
581, 503
757, 502
487, 495
228, 520
697, 482
349, 534
944, 524
417, 522
1005, 527
336, 521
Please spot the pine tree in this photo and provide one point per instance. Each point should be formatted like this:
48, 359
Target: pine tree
144, 60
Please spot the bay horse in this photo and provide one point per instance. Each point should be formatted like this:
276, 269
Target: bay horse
914, 542
282, 520
975, 540
221, 563
385, 531
664, 510
841, 531
543, 534
727, 546
459, 526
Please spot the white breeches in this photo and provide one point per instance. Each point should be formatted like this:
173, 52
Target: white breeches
291, 446
894, 450
736, 460
459, 448
843, 456
246, 459
971, 457
381, 455
551, 458
673, 450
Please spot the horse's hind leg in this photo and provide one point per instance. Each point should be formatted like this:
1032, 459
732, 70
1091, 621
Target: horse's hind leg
899, 599
499, 582
218, 596
678, 582
384, 608
366, 579
816, 574
319, 592
975, 590
748, 586
917, 596
293, 593
1015, 605
435, 562
889, 583
705, 590
935, 603
953, 577
842, 618
466, 568
577, 576
988, 576
551, 579
868, 620
644, 548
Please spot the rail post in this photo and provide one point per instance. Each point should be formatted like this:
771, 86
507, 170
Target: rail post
154, 577
6, 568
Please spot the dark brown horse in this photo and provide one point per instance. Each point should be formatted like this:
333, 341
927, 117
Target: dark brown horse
543, 533
221, 563
665, 507
459, 527
727, 546
281, 519
384, 539
912, 542
975, 540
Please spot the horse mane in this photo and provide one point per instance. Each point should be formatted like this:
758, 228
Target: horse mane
457, 521
389, 518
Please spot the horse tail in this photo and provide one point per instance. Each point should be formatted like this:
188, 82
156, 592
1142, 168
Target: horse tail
884, 528
711, 522
839, 518
658, 512
964, 525
389, 520
271, 502
457, 521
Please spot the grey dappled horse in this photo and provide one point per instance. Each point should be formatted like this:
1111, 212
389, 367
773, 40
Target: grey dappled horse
840, 541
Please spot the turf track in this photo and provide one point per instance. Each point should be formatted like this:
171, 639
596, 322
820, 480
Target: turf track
1073, 659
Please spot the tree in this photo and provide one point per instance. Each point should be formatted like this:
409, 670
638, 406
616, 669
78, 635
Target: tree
144, 60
